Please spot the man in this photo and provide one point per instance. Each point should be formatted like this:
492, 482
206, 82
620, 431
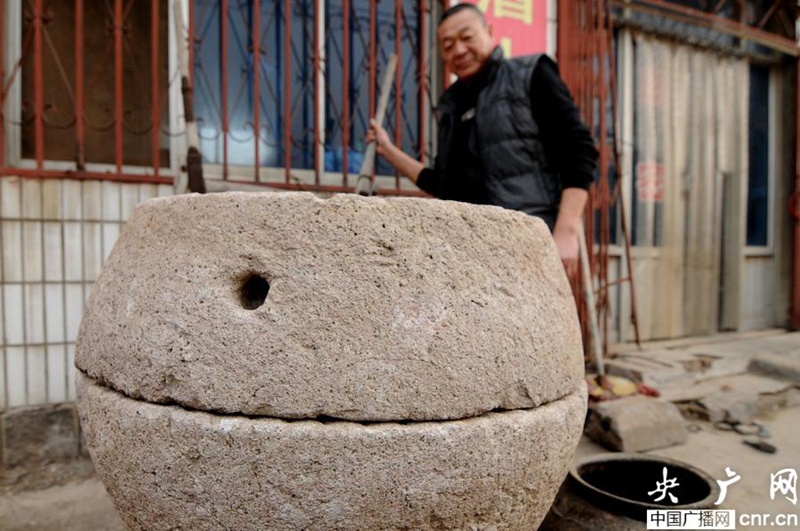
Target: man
509, 134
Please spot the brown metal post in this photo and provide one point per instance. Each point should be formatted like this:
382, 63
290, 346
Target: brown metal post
256, 84
287, 88
223, 10
796, 269
2, 84
191, 43
118, 87
156, 111
422, 88
80, 134
373, 68
38, 82
318, 169
398, 94
346, 90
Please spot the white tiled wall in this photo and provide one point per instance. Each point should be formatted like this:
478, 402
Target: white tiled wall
54, 236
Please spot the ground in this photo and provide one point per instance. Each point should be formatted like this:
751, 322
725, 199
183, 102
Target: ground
84, 505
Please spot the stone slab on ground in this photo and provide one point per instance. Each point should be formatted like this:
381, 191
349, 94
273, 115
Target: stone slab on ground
636, 424
735, 406
783, 366
758, 384
167, 467
651, 369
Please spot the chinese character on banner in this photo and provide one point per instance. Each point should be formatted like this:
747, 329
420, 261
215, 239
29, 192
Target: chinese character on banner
520, 26
785, 482
650, 182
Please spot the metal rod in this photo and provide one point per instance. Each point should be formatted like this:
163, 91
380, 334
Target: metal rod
398, 94
796, 265
287, 97
38, 77
723, 25
30, 173
191, 42
224, 88
422, 87
156, 111
373, 74
118, 87
318, 165
2, 85
634, 317
256, 84
80, 162
345, 90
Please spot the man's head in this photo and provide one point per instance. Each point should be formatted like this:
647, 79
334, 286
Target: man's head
465, 40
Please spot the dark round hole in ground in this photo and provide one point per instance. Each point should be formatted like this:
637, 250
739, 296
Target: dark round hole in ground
632, 479
253, 291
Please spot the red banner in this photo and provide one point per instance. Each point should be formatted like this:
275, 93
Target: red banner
520, 26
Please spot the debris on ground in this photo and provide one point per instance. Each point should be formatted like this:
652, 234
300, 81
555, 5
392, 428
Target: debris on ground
635, 424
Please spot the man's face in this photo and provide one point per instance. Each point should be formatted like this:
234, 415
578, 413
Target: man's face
465, 42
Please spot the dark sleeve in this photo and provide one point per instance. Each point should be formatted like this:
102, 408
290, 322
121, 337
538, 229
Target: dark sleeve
569, 146
430, 180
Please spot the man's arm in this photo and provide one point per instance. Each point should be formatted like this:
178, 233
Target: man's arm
570, 150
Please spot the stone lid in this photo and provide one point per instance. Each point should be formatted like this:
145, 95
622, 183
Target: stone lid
290, 306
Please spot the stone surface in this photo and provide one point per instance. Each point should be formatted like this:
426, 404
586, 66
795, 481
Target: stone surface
740, 382
378, 309
783, 366
636, 424
167, 468
34, 436
731, 405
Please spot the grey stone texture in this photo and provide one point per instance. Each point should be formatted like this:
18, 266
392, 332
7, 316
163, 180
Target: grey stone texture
378, 309
783, 366
169, 468
636, 424
731, 405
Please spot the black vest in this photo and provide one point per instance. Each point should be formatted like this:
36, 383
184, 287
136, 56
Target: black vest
514, 164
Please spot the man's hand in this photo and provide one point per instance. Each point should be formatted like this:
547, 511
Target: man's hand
404, 164
568, 225
378, 135
567, 244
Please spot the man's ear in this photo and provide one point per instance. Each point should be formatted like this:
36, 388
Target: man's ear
490, 29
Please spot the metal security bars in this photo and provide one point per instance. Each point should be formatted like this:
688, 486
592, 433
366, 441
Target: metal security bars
283, 91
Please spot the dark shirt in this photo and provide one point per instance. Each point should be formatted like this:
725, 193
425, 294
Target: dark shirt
569, 146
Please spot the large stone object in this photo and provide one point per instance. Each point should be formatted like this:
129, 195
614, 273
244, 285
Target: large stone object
168, 468
276, 361
377, 309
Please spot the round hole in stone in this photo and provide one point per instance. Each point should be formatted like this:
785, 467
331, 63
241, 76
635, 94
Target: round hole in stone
253, 291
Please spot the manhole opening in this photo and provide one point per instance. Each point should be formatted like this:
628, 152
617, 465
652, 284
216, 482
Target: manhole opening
253, 291
633, 479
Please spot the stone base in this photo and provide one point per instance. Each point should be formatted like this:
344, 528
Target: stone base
167, 467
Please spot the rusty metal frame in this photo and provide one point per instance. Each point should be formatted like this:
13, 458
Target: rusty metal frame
116, 60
